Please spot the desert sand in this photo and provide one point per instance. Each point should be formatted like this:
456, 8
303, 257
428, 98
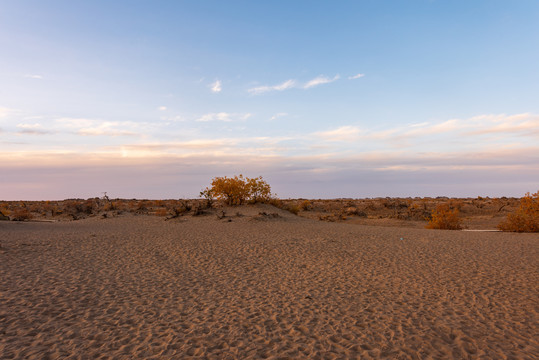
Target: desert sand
264, 287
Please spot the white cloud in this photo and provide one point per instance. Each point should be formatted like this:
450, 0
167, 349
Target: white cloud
525, 124
91, 127
343, 133
489, 131
29, 126
223, 116
288, 84
425, 123
216, 86
278, 115
162, 108
31, 129
33, 76
356, 76
5, 112
319, 80
107, 128
280, 87
73, 123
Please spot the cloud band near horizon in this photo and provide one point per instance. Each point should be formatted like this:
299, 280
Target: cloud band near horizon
504, 157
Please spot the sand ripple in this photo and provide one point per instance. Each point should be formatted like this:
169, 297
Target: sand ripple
139, 287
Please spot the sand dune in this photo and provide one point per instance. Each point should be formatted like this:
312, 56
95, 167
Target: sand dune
263, 287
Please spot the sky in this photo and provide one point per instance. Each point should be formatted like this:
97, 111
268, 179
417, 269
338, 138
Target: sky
323, 99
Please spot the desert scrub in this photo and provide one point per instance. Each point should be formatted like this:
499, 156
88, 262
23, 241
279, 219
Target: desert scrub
292, 208
237, 190
306, 205
21, 214
161, 212
444, 217
525, 218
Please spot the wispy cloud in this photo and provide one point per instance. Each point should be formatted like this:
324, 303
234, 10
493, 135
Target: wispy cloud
29, 126
223, 116
485, 147
342, 133
525, 124
32, 129
106, 129
33, 76
216, 86
91, 127
289, 84
175, 118
280, 87
319, 80
162, 108
469, 131
493, 173
278, 115
5, 112
356, 76
34, 132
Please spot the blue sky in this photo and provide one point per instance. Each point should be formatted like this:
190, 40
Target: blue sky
323, 99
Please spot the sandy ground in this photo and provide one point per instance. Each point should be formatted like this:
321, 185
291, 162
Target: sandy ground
262, 287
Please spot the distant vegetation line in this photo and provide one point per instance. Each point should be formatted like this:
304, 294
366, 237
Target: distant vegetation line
516, 214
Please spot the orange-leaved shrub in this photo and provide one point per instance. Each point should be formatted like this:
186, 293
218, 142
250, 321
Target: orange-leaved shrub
306, 205
525, 218
237, 190
21, 214
444, 217
259, 189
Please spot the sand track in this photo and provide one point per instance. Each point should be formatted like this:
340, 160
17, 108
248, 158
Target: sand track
140, 287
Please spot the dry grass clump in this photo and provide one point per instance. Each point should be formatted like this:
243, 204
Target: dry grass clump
288, 206
525, 218
180, 208
292, 208
444, 217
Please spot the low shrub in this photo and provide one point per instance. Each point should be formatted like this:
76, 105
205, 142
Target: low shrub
306, 205
4, 211
161, 212
276, 202
525, 218
21, 214
258, 189
444, 217
237, 190
292, 208
207, 194
354, 211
